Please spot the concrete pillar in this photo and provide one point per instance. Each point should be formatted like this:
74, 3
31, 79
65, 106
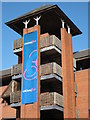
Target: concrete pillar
12, 86
32, 110
68, 75
68, 29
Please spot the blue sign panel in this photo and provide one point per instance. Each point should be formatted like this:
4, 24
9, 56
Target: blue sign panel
29, 78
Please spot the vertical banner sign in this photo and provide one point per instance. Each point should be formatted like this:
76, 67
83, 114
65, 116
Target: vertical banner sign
29, 78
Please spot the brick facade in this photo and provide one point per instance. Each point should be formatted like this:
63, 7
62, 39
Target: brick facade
68, 75
81, 78
33, 110
62, 53
5, 110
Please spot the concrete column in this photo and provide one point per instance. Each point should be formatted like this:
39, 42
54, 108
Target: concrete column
12, 86
68, 29
62, 23
68, 75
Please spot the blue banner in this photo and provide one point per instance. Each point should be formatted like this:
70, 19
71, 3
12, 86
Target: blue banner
29, 78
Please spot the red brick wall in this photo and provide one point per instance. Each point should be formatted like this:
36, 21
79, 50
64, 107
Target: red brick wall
2, 88
5, 110
68, 75
29, 111
89, 88
81, 78
44, 35
8, 112
1, 91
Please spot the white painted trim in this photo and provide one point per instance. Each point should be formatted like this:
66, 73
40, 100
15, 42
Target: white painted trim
50, 48
51, 76
51, 107
17, 50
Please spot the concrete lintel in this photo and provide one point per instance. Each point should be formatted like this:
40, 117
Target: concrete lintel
51, 76
41, 50
16, 76
51, 107
41, 78
14, 105
17, 50
50, 48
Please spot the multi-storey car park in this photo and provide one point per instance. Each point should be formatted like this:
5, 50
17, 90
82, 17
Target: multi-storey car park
63, 83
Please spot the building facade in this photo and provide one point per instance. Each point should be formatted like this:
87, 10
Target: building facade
49, 81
